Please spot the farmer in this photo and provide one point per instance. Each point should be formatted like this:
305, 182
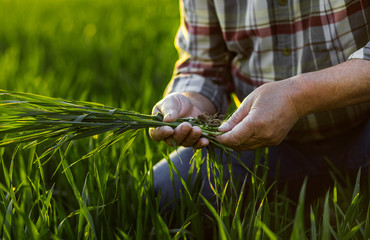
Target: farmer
303, 70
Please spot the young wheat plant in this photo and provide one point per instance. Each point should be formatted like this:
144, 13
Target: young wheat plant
36, 119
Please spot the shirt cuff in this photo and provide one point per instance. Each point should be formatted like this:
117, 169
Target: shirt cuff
362, 53
207, 86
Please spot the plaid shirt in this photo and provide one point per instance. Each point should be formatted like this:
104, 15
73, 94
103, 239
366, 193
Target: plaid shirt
237, 45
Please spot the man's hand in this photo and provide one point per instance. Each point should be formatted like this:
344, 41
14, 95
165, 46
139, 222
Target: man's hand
263, 119
181, 105
268, 113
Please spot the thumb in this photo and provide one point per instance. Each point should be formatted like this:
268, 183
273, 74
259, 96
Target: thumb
169, 108
235, 118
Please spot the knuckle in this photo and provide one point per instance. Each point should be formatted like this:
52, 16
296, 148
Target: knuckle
181, 131
195, 133
186, 127
191, 139
235, 118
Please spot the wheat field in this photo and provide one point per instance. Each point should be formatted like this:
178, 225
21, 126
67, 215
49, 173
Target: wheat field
120, 53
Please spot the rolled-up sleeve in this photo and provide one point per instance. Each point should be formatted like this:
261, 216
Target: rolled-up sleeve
362, 53
203, 64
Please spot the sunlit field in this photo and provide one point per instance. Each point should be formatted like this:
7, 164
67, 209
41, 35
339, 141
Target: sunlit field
120, 53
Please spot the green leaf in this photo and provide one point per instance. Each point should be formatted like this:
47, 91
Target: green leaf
325, 228
221, 227
298, 226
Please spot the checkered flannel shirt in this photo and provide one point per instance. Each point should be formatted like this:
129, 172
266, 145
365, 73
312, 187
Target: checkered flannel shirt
237, 45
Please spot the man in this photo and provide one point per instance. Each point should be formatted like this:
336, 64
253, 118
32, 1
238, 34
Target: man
301, 67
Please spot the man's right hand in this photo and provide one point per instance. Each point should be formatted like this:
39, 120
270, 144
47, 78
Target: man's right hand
181, 105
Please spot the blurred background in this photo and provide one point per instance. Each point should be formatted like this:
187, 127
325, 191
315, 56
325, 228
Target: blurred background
119, 53
116, 52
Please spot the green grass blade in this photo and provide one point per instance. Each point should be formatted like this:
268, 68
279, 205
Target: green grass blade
221, 227
313, 225
271, 235
298, 226
367, 223
325, 229
83, 208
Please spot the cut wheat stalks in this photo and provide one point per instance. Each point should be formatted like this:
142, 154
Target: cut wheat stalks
26, 117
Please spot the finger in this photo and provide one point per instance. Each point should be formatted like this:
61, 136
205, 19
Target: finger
169, 108
201, 143
238, 134
235, 118
169, 141
160, 133
181, 132
192, 137
155, 110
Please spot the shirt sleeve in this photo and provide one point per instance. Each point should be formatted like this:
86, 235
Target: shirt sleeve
362, 53
203, 64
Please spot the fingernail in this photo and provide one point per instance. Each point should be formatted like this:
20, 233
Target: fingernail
223, 127
168, 115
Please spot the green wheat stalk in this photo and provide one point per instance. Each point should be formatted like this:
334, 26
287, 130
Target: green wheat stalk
26, 117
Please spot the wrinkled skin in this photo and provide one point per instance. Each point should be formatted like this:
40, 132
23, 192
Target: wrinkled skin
266, 116
263, 119
252, 125
177, 105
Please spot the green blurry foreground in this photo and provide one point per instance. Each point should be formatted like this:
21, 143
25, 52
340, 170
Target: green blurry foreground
120, 53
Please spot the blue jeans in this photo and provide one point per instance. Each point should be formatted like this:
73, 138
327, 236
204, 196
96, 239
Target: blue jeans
288, 163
